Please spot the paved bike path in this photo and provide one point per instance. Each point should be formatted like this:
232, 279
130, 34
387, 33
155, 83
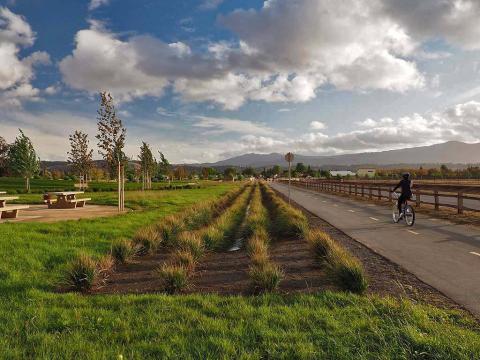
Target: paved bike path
440, 253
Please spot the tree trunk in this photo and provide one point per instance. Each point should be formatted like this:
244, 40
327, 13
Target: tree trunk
27, 184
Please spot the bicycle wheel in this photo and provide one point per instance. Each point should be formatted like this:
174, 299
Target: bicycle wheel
395, 214
409, 215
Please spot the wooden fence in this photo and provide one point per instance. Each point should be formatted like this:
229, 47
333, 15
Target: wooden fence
460, 197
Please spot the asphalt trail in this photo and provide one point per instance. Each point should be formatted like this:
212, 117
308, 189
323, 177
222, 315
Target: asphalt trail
440, 253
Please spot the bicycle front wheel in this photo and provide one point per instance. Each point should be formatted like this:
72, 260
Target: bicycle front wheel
409, 215
395, 214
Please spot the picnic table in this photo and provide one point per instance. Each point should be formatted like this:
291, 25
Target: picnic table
65, 200
2, 192
10, 211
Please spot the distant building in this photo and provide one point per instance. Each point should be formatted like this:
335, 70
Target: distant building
342, 173
366, 173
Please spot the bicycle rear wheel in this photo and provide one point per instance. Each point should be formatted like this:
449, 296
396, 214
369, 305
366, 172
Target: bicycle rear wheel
409, 215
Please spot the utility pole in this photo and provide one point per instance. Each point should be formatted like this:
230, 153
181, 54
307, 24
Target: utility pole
289, 158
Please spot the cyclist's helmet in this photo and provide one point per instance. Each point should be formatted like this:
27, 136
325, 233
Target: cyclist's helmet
406, 176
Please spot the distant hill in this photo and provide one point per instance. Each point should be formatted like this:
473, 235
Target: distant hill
452, 152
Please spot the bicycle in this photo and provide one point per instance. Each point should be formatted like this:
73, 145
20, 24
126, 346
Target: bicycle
407, 211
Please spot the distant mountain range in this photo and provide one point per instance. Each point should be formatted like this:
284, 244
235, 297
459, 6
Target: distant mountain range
452, 152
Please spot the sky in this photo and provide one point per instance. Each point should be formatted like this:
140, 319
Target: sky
204, 80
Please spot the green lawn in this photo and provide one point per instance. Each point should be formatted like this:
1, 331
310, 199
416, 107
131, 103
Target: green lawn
35, 322
17, 185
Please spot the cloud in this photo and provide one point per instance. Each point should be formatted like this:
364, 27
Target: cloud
94, 4
216, 126
285, 51
317, 125
17, 72
460, 122
210, 4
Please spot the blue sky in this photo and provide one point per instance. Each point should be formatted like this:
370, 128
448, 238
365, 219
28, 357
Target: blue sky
207, 79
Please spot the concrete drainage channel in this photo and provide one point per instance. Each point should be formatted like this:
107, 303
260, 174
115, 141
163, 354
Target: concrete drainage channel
238, 243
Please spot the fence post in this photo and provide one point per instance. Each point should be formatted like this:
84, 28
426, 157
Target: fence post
417, 198
390, 196
349, 189
460, 203
435, 194
356, 189
369, 192
363, 190
379, 193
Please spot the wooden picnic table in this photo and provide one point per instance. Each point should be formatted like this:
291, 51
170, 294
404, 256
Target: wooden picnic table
10, 211
2, 192
65, 200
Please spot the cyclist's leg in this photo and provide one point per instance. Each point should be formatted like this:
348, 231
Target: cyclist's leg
400, 202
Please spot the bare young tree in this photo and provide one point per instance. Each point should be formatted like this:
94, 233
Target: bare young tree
80, 156
148, 165
111, 141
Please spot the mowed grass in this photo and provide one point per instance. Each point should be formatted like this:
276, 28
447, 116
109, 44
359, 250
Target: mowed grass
15, 184
36, 322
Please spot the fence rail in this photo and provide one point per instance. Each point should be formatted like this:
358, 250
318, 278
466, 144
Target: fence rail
460, 197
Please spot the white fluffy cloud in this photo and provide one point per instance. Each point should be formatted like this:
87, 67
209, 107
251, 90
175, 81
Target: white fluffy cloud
460, 122
94, 4
216, 126
17, 72
283, 52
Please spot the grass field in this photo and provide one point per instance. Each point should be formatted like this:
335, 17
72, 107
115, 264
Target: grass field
17, 185
37, 322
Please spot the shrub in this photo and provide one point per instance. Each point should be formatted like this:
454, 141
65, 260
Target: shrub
198, 216
122, 250
81, 273
184, 258
174, 278
265, 277
146, 240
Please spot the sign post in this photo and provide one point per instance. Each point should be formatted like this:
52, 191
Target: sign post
289, 158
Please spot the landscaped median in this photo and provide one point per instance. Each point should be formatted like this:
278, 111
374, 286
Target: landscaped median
184, 235
340, 264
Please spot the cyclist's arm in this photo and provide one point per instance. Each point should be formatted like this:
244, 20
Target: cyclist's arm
396, 187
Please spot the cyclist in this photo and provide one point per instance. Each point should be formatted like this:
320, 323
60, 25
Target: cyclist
406, 186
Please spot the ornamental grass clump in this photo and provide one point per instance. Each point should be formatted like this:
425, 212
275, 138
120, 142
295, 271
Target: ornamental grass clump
169, 229
287, 221
81, 273
265, 277
341, 265
347, 270
191, 242
146, 240
174, 278
186, 259
122, 250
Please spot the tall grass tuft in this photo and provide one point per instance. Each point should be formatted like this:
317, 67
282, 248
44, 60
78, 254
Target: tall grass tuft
343, 266
185, 259
122, 250
81, 273
287, 221
169, 229
174, 277
191, 242
146, 240
265, 277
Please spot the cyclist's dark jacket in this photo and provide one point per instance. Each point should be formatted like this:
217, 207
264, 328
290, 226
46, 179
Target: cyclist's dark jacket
406, 186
